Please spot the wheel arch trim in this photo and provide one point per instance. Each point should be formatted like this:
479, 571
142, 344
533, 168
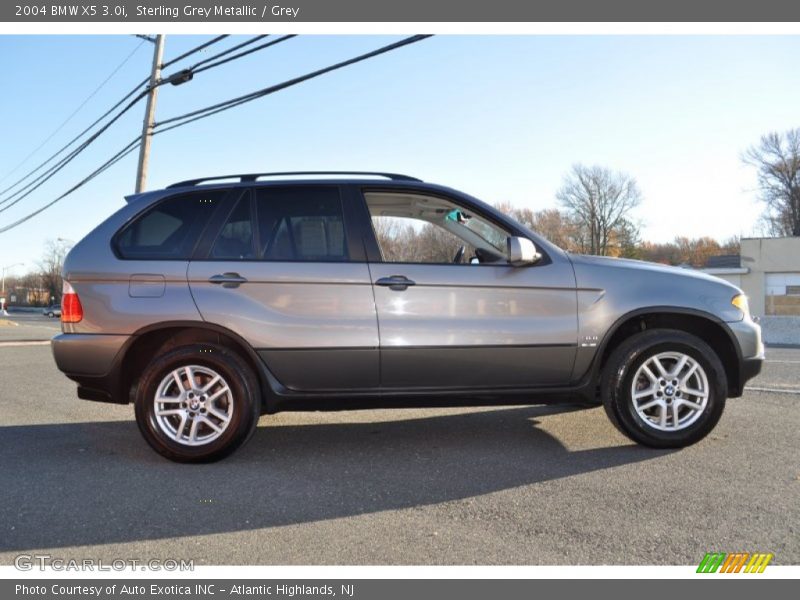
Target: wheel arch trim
266, 379
602, 348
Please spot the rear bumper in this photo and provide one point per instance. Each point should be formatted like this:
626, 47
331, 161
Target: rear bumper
91, 361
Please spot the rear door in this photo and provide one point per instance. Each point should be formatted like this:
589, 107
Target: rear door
283, 270
452, 312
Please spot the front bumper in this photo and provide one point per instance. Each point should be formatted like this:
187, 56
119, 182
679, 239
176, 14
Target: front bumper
750, 350
750, 368
91, 360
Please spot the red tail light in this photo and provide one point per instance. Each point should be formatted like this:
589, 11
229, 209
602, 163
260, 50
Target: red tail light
71, 309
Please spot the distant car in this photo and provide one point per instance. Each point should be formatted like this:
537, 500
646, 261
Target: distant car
209, 303
52, 311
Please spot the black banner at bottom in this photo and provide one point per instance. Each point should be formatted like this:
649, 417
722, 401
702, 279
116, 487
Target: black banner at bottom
384, 589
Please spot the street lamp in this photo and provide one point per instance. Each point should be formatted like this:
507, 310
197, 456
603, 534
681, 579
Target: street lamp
8, 268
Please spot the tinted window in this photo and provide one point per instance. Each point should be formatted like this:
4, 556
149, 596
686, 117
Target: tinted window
170, 229
301, 223
236, 238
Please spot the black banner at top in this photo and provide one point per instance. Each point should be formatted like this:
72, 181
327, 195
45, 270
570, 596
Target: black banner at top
150, 11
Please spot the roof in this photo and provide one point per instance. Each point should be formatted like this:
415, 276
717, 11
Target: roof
723, 261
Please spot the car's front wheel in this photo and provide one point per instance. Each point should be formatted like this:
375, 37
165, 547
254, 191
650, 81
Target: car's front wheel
197, 403
664, 388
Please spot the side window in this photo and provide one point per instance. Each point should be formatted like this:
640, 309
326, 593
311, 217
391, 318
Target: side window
301, 223
235, 240
413, 228
408, 240
170, 229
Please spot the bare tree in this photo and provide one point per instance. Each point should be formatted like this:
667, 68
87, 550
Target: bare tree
50, 266
553, 224
407, 240
777, 161
600, 201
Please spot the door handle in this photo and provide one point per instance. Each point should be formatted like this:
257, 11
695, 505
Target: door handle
228, 280
396, 283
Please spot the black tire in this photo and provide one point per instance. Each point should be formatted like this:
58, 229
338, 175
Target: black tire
617, 380
244, 397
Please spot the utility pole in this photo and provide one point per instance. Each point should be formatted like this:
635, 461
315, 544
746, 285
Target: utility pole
149, 114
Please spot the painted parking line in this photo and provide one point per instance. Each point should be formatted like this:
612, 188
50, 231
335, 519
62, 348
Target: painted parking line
24, 343
773, 390
785, 362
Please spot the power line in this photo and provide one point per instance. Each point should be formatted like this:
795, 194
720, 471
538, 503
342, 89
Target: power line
202, 113
245, 53
130, 147
193, 50
42, 179
60, 164
72, 141
73, 113
227, 51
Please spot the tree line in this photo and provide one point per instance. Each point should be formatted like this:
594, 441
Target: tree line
596, 204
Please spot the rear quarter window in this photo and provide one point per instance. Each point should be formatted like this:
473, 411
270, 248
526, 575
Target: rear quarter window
170, 229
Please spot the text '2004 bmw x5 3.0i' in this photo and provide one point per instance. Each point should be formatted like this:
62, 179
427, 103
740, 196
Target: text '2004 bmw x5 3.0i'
209, 303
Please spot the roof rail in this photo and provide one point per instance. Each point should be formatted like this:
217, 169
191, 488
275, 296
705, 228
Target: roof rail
250, 177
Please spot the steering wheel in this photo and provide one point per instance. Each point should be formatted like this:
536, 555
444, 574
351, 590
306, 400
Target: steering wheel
459, 254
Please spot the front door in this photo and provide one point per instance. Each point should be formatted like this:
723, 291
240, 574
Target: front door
280, 271
452, 312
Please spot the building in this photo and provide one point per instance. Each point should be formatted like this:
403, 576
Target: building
767, 270
27, 296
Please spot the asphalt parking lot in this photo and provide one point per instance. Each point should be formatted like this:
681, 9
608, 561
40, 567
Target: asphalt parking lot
531, 485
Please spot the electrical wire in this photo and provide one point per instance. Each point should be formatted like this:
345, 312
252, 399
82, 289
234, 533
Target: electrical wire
42, 179
89, 97
74, 112
245, 53
202, 113
187, 118
130, 147
60, 165
227, 51
187, 54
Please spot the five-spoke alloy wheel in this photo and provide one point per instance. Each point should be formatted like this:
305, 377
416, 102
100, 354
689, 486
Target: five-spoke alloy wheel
197, 403
664, 388
670, 391
193, 405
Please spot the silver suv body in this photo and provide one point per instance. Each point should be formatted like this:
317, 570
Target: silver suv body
211, 302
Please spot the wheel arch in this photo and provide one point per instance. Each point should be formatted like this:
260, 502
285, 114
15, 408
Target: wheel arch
705, 326
158, 338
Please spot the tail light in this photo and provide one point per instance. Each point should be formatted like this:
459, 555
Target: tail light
71, 309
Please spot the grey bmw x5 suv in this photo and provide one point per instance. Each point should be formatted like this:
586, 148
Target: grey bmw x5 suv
217, 300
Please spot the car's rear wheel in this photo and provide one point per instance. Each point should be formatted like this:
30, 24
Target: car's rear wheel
197, 403
664, 388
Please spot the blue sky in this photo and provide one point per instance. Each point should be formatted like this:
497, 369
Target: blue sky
500, 117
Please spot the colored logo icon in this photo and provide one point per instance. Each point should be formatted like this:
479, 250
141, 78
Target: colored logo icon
738, 562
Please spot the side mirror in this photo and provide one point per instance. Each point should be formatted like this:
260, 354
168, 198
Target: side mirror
521, 251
